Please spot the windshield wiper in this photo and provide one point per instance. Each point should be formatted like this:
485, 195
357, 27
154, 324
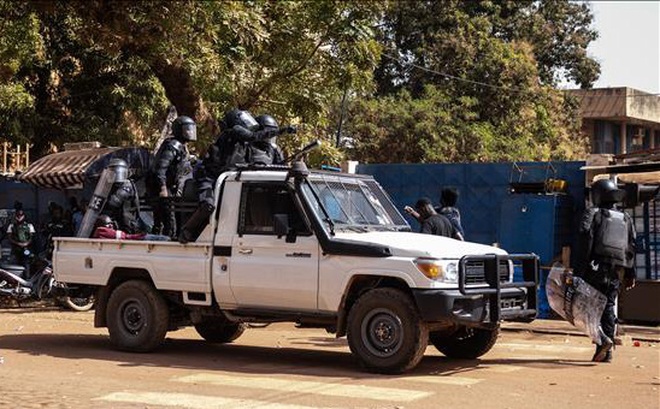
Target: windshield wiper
358, 229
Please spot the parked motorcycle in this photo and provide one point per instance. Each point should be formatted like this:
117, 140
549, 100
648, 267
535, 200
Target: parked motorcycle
36, 281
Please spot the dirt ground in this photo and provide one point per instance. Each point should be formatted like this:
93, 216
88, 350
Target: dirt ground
52, 358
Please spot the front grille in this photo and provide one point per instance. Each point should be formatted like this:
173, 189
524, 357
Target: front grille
512, 303
475, 272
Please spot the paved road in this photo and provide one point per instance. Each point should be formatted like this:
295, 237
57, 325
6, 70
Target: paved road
56, 359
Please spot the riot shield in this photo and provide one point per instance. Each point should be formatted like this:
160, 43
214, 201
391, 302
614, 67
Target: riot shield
576, 301
97, 202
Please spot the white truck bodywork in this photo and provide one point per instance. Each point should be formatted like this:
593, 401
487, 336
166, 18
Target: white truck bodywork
236, 272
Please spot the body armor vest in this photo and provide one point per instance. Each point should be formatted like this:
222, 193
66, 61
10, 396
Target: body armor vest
611, 238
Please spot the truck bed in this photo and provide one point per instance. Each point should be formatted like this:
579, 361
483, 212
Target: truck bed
173, 266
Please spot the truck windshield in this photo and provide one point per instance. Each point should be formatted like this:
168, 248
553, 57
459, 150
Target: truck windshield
351, 203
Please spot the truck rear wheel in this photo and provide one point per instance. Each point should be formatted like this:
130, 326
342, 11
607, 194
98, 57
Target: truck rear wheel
219, 331
385, 331
466, 343
137, 317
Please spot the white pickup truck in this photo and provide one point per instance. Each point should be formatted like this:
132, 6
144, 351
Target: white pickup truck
320, 249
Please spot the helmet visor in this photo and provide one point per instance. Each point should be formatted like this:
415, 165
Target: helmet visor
189, 132
121, 174
246, 120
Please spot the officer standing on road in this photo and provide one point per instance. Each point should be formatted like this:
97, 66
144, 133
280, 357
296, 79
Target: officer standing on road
170, 168
606, 255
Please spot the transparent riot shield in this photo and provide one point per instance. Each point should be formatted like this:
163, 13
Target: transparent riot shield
97, 202
576, 301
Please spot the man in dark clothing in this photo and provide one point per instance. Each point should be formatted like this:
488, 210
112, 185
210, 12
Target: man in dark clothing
431, 222
448, 199
606, 255
170, 168
20, 232
268, 123
241, 142
123, 204
57, 226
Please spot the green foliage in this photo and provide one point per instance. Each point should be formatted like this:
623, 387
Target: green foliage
489, 61
107, 70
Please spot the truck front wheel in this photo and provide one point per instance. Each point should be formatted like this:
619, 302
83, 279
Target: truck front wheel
219, 331
137, 317
466, 343
385, 331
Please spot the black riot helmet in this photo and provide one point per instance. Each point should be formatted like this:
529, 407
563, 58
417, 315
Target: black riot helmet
240, 118
120, 169
605, 192
267, 122
184, 129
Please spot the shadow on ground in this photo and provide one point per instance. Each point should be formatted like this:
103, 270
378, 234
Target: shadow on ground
202, 356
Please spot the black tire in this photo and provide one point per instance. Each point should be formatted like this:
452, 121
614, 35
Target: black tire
466, 343
385, 331
219, 331
137, 317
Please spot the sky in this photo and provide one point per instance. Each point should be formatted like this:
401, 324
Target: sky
628, 48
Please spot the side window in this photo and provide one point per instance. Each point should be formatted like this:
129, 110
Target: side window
261, 202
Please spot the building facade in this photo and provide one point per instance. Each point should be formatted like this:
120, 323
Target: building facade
619, 120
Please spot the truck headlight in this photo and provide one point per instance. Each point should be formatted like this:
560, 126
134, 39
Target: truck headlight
436, 269
451, 273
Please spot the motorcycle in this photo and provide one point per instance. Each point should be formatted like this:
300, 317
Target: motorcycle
36, 281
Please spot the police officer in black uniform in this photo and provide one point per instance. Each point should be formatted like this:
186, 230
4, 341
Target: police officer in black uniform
242, 142
268, 123
123, 202
606, 255
168, 172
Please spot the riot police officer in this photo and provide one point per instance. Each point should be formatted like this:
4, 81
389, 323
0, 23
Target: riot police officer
606, 255
123, 203
268, 123
169, 170
239, 143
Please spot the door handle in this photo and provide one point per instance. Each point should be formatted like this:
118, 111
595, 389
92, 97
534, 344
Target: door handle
245, 251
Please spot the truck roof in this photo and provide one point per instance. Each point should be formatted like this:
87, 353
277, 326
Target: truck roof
281, 172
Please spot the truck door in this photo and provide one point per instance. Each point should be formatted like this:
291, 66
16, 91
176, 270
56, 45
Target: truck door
265, 270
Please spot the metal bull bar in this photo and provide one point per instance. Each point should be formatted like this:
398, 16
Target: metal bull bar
530, 270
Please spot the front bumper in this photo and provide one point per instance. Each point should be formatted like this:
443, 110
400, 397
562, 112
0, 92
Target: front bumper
487, 304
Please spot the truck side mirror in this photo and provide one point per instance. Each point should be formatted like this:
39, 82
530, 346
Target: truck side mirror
282, 227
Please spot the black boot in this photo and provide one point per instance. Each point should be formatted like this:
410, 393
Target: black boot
604, 350
196, 223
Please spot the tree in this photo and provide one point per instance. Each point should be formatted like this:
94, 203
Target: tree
291, 59
495, 76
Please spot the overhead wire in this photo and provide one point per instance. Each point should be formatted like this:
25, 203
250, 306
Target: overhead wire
498, 87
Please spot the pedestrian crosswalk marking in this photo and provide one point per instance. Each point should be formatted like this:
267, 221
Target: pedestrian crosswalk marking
545, 348
500, 368
311, 387
442, 380
190, 401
